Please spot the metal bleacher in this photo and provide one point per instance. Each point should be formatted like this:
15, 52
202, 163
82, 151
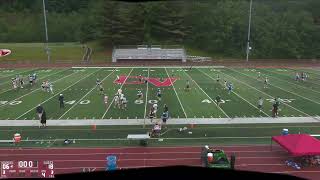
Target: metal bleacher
144, 52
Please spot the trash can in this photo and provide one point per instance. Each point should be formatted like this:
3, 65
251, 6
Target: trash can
111, 163
285, 132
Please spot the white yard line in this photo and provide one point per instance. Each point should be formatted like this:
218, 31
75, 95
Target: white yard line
207, 95
156, 67
236, 94
40, 88
56, 94
267, 94
114, 97
176, 94
291, 82
84, 96
146, 102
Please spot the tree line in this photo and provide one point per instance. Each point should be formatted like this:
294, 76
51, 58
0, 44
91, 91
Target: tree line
280, 29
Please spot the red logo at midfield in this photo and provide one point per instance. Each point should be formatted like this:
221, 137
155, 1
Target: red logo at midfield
4, 52
155, 81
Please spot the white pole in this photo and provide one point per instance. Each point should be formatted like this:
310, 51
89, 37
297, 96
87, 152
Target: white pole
46, 30
249, 30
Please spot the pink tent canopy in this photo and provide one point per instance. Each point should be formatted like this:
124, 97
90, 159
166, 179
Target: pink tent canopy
299, 144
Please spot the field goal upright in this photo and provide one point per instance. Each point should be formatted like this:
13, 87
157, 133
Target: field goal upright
149, 53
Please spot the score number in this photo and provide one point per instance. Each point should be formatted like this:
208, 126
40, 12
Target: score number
48, 172
6, 167
27, 164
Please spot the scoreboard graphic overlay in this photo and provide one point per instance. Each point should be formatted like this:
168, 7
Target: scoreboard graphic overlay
28, 169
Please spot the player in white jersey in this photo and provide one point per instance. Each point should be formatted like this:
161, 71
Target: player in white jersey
260, 104
259, 75
119, 91
297, 77
14, 83
116, 101
105, 100
124, 102
50, 87
47, 86
155, 107
226, 84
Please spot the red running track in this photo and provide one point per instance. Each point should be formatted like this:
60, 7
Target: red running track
67, 160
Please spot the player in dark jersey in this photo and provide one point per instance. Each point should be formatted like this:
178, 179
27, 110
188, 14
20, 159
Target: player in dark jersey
151, 114
159, 94
140, 95
98, 83
187, 85
101, 89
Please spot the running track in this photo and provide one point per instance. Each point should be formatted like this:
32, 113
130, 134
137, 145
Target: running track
67, 160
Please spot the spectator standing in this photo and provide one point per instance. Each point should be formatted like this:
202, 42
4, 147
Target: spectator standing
61, 98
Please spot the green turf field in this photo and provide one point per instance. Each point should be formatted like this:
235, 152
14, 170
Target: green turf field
84, 103
299, 99
114, 136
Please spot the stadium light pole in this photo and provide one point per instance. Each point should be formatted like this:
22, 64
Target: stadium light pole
46, 30
249, 31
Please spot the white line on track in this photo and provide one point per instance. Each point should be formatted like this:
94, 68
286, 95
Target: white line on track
236, 94
57, 93
94, 87
146, 102
184, 112
266, 93
114, 97
207, 95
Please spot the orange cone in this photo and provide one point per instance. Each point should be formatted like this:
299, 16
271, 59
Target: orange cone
191, 125
94, 127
